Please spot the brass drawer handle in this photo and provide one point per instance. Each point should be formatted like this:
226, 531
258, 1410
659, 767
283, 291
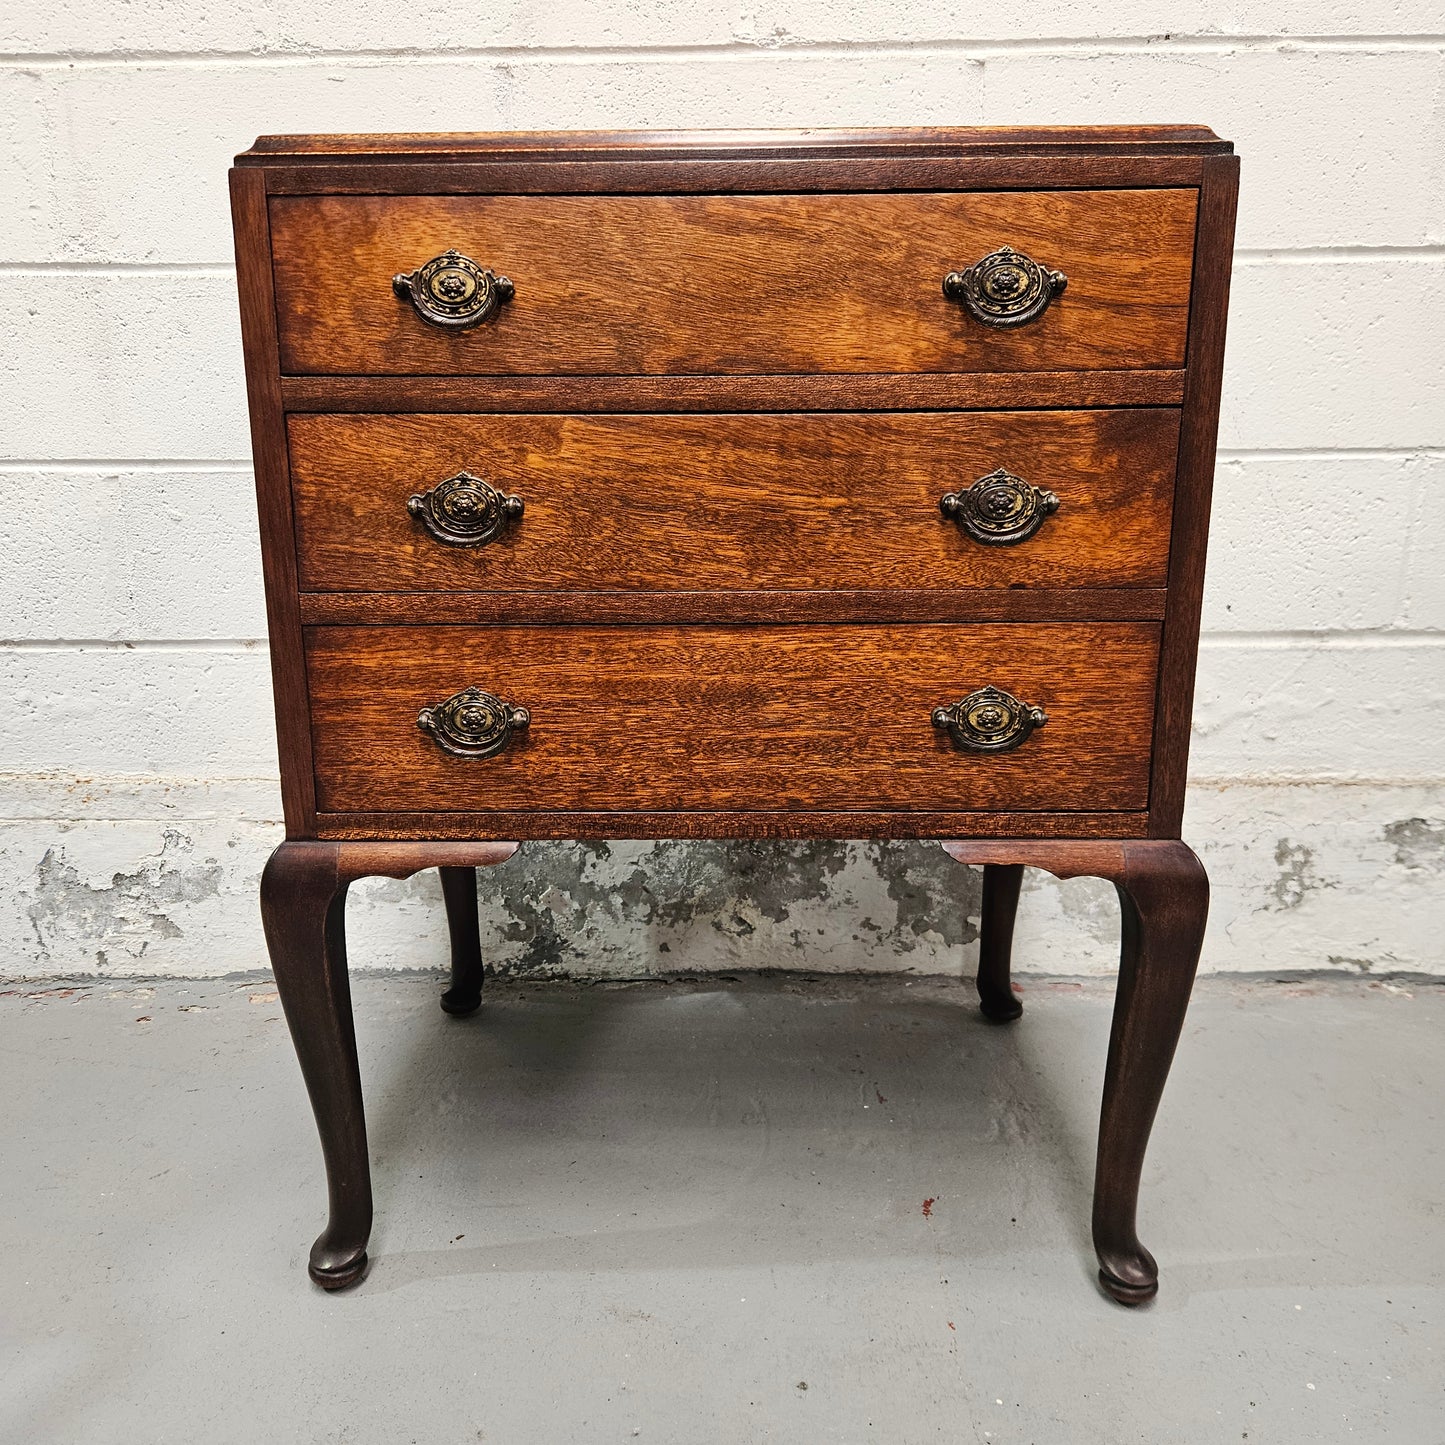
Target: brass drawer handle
464, 511
989, 721
1006, 288
451, 290
1000, 509
473, 723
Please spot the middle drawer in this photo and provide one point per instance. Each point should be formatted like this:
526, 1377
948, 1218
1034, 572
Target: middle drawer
719, 502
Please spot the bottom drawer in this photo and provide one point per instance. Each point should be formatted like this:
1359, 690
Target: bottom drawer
732, 717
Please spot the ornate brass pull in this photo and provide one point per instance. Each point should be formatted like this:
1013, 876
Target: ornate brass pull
1000, 509
1006, 288
989, 721
464, 511
451, 290
473, 723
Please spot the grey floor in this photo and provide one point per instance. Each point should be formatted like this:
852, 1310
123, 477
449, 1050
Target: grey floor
766, 1209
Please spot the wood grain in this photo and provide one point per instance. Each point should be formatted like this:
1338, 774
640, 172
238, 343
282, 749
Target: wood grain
727, 718
1065, 856
1064, 168
732, 283
935, 391
978, 604
757, 502
411, 828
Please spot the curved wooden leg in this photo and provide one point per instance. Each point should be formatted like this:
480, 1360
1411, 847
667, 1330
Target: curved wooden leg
303, 906
1164, 896
303, 903
1001, 882
459, 889
1164, 893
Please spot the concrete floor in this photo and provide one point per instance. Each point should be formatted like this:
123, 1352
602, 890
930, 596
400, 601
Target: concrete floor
701, 1213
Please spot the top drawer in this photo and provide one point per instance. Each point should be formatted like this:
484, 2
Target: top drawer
742, 284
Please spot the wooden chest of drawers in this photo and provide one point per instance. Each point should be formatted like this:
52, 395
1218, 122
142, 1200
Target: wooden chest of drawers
810, 484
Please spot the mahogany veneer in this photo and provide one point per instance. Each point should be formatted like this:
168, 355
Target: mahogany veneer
769, 484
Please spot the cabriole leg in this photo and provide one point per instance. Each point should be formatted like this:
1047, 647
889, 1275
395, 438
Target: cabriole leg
1164, 894
1001, 882
303, 903
459, 889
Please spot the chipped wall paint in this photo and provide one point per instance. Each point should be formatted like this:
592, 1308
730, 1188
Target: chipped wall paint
135, 710
1305, 878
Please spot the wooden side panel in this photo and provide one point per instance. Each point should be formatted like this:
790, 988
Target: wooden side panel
667, 503
733, 284
765, 718
273, 499
1219, 195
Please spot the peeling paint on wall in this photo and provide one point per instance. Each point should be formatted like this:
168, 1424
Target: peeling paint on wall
1297, 876
156, 895
1418, 842
130, 911
557, 906
925, 884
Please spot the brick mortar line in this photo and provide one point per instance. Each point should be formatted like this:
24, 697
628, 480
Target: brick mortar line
168, 782
1335, 255
1305, 454
741, 48
218, 270
1335, 640
239, 646
164, 466
61, 777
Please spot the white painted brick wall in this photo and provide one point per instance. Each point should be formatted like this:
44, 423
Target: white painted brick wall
138, 794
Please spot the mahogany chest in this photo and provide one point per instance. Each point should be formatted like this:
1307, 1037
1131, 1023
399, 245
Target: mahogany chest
779, 484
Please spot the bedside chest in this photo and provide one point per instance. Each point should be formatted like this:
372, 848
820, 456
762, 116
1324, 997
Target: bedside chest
773, 484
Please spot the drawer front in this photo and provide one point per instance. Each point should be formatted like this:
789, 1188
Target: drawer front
649, 285
689, 503
747, 718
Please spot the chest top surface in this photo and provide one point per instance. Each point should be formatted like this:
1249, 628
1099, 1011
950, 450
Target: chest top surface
564, 146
